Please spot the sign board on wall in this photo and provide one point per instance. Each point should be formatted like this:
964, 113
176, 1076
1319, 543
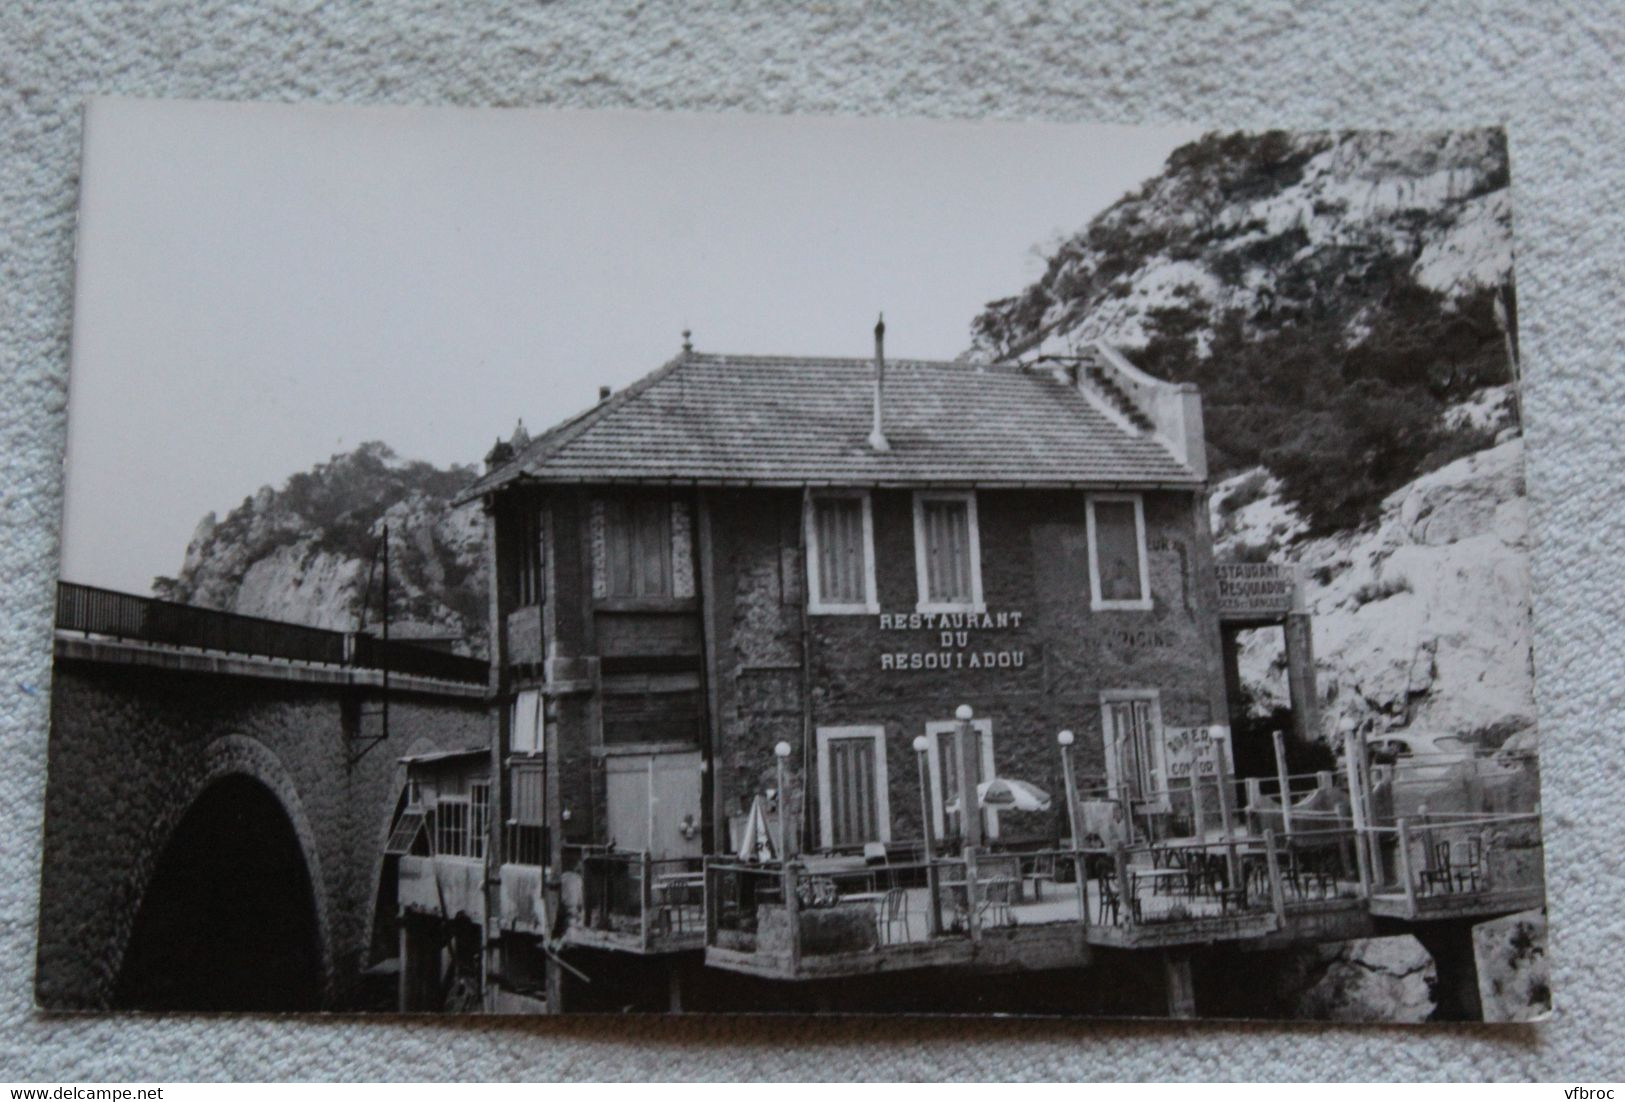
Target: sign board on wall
954, 641
1189, 751
1255, 590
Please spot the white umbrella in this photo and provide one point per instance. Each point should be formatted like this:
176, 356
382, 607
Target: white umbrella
1007, 794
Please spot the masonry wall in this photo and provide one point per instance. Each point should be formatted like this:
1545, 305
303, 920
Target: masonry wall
1034, 558
132, 746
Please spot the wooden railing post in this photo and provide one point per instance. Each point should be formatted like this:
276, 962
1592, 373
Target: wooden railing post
1357, 810
1405, 866
709, 899
646, 895
792, 913
972, 919
1273, 862
1284, 779
1080, 874
1124, 889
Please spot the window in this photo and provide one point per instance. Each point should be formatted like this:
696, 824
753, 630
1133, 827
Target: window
853, 805
451, 827
1132, 721
405, 835
414, 792
479, 819
947, 552
525, 735
841, 554
1117, 564
637, 547
942, 762
527, 550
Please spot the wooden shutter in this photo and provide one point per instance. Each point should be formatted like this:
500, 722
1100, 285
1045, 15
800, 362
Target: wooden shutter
947, 551
839, 523
853, 801
637, 547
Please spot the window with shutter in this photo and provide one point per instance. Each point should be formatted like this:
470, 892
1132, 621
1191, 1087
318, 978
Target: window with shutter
853, 802
840, 554
637, 547
947, 552
1117, 553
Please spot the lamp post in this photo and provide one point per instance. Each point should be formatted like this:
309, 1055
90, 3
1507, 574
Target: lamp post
922, 746
970, 811
781, 753
1065, 739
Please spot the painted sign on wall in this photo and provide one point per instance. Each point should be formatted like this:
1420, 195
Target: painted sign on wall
958, 641
1190, 751
1255, 590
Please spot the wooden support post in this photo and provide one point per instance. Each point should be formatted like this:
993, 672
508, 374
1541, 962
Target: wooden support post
1176, 969
645, 895
1283, 777
1254, 788
1226, 797
1430, 860
1273, 863
1405, 866
674, 984
1197, 810
973, 919
1074, 816
1357, 808
792, 913
1125, 891
709, 900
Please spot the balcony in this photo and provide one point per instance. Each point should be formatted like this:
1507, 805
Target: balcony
629, 902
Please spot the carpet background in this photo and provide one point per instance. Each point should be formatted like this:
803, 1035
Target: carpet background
1551, 73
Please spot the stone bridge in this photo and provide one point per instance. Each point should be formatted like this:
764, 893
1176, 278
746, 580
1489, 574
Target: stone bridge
215, 822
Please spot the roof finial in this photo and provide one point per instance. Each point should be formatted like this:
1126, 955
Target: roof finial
688, 344
877, 435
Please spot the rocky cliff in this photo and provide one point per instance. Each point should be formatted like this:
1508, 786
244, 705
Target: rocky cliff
311, 551
1345, 303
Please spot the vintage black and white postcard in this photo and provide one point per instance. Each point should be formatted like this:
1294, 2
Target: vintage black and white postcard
539, 562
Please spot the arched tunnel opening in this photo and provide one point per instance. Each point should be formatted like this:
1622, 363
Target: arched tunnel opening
228, 921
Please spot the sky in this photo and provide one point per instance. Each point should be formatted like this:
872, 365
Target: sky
260, 287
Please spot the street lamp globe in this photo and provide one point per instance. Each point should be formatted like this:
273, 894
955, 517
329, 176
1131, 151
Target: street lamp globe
963, 712
920, 744
782, 749
1065, 738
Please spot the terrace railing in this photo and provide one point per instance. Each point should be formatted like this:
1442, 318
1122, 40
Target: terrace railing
105, 612
644, 899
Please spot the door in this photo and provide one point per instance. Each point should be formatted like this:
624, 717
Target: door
942, 761
654, 803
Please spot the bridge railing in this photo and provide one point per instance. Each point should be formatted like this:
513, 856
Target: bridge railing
107, 612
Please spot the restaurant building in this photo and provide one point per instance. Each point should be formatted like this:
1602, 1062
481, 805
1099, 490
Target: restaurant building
738, 552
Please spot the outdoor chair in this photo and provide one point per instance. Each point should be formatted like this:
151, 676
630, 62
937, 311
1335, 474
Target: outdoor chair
1111, 903
893, 916
1469, 873
1440, 875
993, 909
1040, 867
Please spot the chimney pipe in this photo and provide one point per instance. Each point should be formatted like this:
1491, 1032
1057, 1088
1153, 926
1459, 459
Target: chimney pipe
603, 393
877, 436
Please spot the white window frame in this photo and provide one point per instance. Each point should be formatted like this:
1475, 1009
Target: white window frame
922, 580
871, 603
1098, 603
1159, 750
935, 731
826, 822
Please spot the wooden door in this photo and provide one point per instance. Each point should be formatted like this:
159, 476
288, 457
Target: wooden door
654, 803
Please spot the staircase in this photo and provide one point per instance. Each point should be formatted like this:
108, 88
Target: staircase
1107, 387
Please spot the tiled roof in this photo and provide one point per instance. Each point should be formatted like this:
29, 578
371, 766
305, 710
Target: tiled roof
783, 420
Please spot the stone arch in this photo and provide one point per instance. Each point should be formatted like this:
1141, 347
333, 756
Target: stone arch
228, 757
